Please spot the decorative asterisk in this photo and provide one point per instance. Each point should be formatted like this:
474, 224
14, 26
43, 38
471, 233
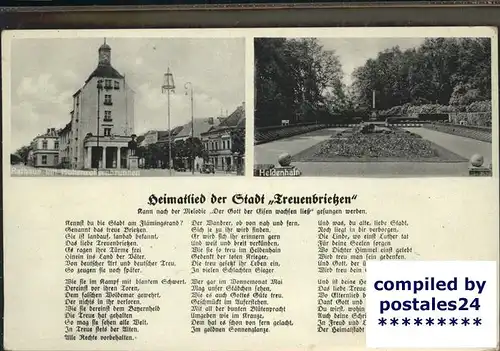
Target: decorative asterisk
394, 321
382, 321
465, 321
453, 321
441, 321
429, 321
477, 321
406, 321
418, 321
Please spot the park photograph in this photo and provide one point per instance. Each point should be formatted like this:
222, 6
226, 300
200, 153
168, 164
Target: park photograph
373, 107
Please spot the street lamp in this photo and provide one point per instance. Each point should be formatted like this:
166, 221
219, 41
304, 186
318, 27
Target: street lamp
192, 122
99, 89
168, 87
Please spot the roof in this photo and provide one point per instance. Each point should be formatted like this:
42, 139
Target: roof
234, 120
67, 127
162, 135
50, 133
104, 71
201, 125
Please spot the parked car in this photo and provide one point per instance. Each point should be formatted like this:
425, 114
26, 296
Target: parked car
207, 168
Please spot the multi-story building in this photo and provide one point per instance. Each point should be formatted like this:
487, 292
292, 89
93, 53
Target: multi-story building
64, 148
217, 141
102, 119
45, 150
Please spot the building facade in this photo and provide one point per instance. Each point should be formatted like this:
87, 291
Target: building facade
217, 141
64, 146
102, 119
45, 150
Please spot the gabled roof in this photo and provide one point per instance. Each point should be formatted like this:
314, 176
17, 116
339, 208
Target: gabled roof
163, 135
234, 120
201, 125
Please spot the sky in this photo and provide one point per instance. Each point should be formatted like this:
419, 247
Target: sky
45, 73
354, 52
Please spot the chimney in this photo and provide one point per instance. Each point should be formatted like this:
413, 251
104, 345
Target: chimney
243, 104
211, 120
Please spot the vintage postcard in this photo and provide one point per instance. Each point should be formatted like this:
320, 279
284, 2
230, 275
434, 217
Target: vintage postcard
250, 189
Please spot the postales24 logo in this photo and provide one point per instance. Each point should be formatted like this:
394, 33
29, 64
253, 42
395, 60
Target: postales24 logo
433, 303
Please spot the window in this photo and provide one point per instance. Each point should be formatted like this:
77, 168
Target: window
107, 131
107, 84
56, 159
107, 116
117, 84
56, 144
44, 159
107, 99
44, 144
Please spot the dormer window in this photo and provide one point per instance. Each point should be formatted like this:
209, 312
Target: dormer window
117, 85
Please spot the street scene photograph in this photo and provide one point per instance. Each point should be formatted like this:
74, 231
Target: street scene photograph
159, 106
373, 107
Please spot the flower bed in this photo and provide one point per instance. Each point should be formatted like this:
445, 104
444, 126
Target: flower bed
378, 145
394, 145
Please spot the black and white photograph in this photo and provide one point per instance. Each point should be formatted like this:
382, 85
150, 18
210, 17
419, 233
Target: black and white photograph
373, 106
127, 106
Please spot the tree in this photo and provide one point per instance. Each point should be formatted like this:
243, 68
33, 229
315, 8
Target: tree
238, 148
295, 80
441, 71
238, 141
15, 159
23, 153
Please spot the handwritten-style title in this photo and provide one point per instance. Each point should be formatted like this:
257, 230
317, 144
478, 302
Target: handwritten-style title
253, 199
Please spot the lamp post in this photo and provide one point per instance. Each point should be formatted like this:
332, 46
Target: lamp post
99, 89
192, 123
168, 87
374, 110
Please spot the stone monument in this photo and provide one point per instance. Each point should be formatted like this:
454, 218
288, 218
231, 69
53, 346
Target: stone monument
286, 168
133, 159
476, 167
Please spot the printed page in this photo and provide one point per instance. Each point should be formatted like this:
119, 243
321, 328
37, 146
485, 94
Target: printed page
228, 188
